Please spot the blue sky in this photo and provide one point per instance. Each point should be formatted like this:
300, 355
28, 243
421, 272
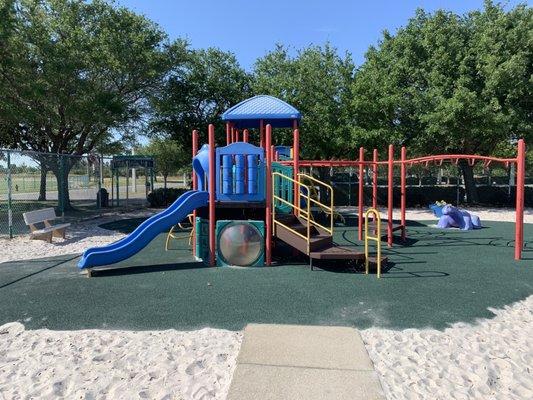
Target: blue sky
251, 28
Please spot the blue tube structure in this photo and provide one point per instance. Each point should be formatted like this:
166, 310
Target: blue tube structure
251, 160
227, 174
240, 186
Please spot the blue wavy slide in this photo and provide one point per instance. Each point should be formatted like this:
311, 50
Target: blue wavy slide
145, 232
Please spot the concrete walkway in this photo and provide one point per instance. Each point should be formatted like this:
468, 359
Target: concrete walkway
303, 362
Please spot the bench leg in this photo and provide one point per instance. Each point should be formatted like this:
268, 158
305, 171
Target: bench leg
60, 233
47, 237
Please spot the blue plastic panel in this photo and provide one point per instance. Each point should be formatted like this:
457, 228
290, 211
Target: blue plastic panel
248, 181
227, 174
200, 164
252, 164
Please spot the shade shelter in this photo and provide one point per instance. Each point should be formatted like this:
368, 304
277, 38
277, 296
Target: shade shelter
128, 163
256, 113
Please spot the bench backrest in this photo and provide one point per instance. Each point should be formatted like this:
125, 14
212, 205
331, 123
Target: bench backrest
34, 217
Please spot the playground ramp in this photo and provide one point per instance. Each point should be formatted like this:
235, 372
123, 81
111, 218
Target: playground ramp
144, 233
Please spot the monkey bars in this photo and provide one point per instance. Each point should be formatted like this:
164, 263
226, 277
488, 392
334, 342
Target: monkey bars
405, 163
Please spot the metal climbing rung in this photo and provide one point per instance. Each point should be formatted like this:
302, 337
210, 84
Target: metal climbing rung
377, 239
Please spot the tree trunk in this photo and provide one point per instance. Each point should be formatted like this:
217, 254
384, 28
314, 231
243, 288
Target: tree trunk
61, 170
470, 184
165, 181
42, 185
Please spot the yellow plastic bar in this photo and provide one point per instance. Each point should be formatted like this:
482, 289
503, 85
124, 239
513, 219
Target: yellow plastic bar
330, 207
377, 239
304, 213
300, 210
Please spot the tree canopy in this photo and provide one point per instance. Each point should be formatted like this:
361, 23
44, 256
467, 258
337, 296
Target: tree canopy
168, 154
196, 92
317, 82
71, 71
450, 84
75, 75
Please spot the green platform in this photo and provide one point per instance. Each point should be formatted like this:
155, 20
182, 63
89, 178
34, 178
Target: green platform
441, 277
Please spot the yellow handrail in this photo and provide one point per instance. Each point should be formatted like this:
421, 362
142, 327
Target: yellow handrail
304, 213
377, 239
301, 211
328, 208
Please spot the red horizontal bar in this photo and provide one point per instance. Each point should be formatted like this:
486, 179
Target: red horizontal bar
471, 159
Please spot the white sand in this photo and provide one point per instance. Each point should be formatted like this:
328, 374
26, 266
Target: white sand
96, 364
80, 236
492, 359
423, 214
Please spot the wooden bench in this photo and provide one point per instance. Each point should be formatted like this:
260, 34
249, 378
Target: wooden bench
40, 225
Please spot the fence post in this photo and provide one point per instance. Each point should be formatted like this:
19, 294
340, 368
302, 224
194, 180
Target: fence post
152, 179
117, 172
99, 194
61, 187
9, 196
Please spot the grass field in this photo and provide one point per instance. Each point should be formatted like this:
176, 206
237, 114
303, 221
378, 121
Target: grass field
31, 183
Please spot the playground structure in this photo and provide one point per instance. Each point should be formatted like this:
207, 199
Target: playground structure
244, 196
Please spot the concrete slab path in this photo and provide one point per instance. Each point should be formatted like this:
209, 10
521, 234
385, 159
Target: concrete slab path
303, 362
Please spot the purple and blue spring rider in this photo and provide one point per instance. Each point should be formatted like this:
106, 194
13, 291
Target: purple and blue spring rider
453, 217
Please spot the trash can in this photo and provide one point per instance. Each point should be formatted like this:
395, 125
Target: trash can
102, 198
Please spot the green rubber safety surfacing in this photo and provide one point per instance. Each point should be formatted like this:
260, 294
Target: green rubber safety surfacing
438, 278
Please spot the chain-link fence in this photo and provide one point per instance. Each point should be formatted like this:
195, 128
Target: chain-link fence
70, 184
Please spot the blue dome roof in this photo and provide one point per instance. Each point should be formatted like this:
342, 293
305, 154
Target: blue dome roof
271, 110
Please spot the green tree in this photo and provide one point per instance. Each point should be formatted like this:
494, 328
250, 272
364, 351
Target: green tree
317, 81
196, 92
169, 156
450, 84
75, 75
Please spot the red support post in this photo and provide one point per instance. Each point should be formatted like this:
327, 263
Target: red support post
390, 186
268, 196
237, 135
520, 184
245, 135
228, 133
232, 135
296, 168
194, 187
402, 190
361, 193
211, 188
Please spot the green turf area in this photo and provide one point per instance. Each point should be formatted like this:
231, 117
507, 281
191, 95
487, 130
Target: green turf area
441, 277
31, 183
